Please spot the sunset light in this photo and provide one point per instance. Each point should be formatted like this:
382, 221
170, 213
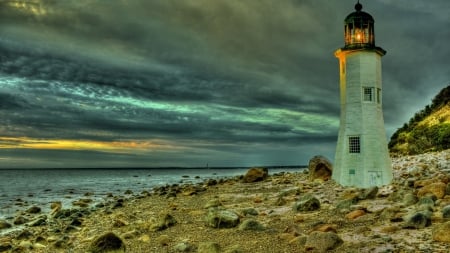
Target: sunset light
112, 146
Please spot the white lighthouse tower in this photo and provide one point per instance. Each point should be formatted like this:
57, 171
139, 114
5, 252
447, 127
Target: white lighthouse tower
362, 157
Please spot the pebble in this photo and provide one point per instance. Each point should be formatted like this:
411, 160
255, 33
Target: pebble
355, 214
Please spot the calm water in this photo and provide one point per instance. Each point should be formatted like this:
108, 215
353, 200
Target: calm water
43, 186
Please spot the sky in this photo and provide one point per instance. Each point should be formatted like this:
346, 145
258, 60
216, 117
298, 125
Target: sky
191, 83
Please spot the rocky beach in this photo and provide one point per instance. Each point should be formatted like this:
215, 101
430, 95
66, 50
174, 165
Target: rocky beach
256, 212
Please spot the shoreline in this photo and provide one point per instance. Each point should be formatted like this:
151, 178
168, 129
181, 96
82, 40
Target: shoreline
130, 186
361, 224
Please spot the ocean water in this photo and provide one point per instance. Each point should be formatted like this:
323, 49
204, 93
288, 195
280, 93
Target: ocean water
20, 188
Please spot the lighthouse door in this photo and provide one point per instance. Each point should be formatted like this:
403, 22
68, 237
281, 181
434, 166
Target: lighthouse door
375, 178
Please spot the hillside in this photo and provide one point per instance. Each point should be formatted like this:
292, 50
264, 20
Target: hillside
428, 130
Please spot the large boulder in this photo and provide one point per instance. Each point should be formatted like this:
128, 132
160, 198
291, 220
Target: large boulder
320, 168
255, 175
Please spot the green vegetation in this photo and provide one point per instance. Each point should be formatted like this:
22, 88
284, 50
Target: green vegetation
428, 130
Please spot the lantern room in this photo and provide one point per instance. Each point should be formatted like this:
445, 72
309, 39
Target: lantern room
359, 29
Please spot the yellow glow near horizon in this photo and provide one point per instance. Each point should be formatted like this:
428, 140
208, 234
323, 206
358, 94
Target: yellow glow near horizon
125, 146
34, 7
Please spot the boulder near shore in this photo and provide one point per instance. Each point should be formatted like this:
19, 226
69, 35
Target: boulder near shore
285, 212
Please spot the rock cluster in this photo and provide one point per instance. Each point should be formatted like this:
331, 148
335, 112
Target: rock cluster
258, 212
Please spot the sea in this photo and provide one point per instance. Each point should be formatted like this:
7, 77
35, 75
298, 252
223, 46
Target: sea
23, 188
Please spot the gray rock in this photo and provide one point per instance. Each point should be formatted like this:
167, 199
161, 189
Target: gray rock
409, 199
249, 211
255, 175
322, 241
446, 212
5, 246
34, 209
213, 203
107, 242
61, 242
418, 220
183, 247
210, 182
251, 225
280, 201
25, 234
208, 247
26, 245
427, 200
39, 221
4, 224
221, 218
19, 220
307, 203
292, 191
369, 193
164, 221
346, 203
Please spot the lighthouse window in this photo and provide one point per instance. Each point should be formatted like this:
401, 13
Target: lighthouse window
368, 94
354, 145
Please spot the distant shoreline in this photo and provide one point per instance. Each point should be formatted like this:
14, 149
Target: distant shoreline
163, 168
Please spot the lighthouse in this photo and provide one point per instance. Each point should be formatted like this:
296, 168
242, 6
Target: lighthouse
362, 156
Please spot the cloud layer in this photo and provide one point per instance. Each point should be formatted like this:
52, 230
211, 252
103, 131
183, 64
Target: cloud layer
230, 83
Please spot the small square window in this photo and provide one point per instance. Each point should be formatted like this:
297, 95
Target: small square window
352, 172
354, 145
368, 94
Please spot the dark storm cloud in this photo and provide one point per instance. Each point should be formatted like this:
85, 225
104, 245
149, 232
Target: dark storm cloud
11, 102
218, 73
